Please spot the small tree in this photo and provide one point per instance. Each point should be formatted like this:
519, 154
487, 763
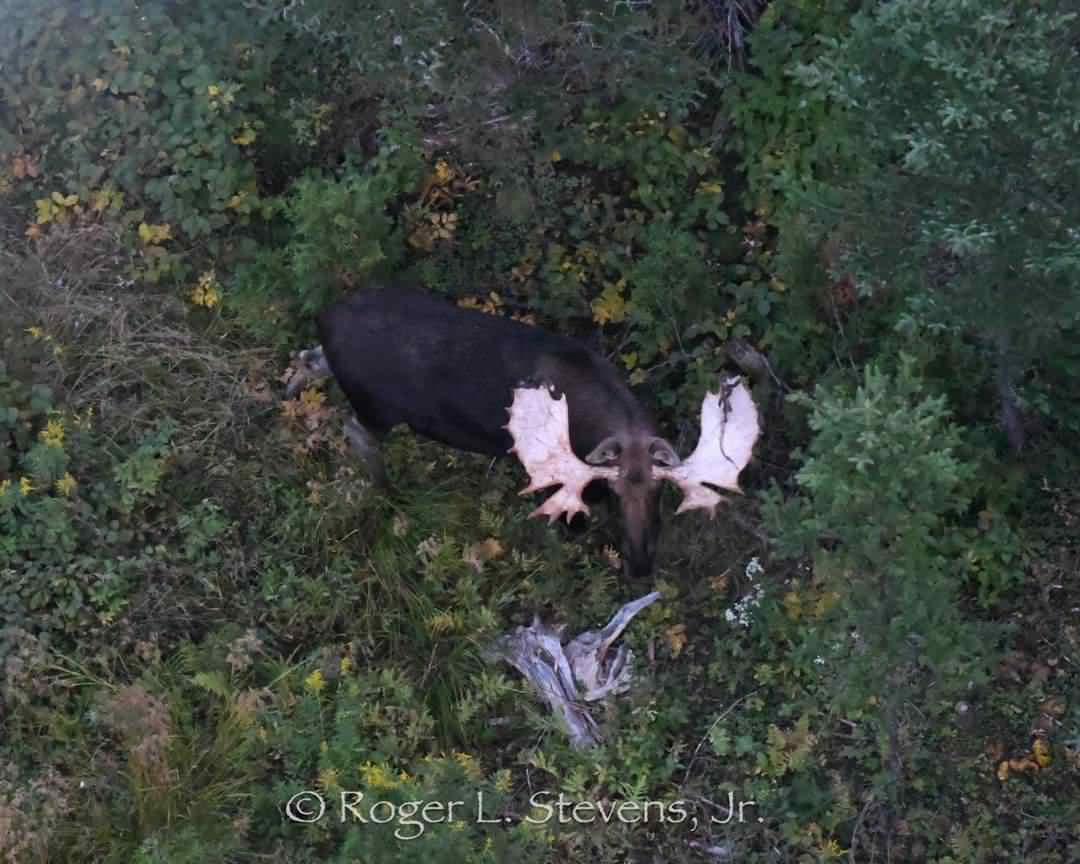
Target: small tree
964, 114
882, 487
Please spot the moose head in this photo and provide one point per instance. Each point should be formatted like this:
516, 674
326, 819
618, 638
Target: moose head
633, 465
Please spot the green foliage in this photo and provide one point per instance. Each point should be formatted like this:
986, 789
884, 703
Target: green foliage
883, 487
166, 114
205, 608
883, 452
786, 131
340, 231
139, 475
623, 224
482, 75
56, 573
964, 120
364, 730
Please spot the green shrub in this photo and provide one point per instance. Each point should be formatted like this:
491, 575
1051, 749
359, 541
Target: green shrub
891, 170
340, 231
167, 114
884, 488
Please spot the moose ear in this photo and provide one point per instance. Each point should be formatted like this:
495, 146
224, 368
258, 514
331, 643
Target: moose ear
606, 452
662, 453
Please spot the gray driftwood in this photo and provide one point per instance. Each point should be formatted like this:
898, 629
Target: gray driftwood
582, 670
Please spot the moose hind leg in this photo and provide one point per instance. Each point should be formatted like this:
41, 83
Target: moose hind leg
365, 445
310, 366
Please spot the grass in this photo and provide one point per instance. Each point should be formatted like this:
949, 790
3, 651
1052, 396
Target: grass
281, 626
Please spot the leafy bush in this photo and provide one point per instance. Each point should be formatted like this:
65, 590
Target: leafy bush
907, 201
884, 488
56, 575
340, 233
167, 115
205, 608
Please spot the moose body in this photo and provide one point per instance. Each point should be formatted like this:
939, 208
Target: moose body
449, 373
453, 374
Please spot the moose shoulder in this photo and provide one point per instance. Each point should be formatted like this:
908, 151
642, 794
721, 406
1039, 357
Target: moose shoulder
452, 375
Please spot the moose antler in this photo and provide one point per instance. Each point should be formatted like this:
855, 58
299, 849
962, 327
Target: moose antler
729, 429
540, 426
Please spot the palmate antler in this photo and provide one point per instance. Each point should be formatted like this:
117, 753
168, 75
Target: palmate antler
729, 429
540, 426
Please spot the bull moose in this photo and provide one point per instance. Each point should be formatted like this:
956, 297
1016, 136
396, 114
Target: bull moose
454, 375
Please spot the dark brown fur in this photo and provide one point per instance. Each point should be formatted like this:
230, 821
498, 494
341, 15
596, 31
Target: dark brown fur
448, 373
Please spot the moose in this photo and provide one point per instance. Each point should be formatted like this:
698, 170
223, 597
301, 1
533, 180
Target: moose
488, 384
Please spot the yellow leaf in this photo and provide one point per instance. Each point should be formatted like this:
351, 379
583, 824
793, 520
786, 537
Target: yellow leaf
611, 304
46, 211
291, 408
314, 683
1022, 766
1041, 751
469, 763
312, 399
629, 359
205, 295
378, 777
676, 638
206, 292
53, 434
66, 484
442, 622
100, 84
477, 554
245, 136
556, 156
443, 173
153, 234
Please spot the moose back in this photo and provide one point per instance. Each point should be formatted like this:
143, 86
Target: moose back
492, 385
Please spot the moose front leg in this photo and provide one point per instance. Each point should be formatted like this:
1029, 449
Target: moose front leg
310, 366
365, 445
